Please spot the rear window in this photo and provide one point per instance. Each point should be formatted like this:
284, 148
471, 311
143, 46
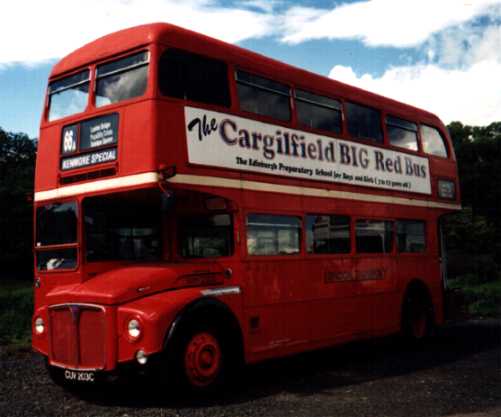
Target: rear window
193, 77
68, 95
122, 79
263, 96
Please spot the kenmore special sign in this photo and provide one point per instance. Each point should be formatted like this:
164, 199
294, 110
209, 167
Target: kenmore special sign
223, 140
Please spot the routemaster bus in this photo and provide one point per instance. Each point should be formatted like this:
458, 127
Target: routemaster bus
199, 206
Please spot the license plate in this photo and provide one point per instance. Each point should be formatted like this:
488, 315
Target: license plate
79, 376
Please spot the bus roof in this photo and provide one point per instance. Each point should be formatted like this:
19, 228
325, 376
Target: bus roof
164, 33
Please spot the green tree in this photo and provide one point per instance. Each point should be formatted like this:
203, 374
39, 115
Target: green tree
474, 233
17, 163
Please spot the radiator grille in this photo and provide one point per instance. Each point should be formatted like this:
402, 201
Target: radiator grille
78, 336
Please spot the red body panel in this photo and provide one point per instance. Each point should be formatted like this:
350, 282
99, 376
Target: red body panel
291, 298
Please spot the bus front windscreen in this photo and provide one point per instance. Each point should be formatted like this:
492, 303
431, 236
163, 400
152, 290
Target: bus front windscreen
123, 226
56, 225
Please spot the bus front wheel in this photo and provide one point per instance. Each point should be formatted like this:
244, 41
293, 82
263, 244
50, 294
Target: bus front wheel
199, 359
417, 317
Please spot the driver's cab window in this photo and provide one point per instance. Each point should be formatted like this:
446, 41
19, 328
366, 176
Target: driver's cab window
206, 235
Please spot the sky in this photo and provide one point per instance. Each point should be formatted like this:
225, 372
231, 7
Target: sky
441, 55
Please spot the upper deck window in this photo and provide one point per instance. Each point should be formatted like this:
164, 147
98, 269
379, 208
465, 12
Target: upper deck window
68, 95
193, 77
263, 96
318, 112
121, 79
402, 133
432, 141
364, 122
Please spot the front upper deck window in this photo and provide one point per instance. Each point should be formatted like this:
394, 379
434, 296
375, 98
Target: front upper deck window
193, 77
68, 95
122, 79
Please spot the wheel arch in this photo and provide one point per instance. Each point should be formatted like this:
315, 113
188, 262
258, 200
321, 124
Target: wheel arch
210, 310
417, 287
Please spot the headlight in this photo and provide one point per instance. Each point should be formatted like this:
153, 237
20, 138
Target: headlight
134, 328
446, 189
39, 325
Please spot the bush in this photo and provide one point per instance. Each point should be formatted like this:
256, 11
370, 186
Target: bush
16, 308
482, 298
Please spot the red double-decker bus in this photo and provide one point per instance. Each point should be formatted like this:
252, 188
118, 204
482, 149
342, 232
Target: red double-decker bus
199, 205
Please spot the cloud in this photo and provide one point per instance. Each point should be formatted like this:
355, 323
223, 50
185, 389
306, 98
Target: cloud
393, 23
470, 95
34, 31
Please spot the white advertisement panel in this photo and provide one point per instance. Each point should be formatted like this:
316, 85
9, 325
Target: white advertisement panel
226, 141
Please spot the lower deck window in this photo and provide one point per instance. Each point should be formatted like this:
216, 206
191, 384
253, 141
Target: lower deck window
273, 235
206, 236
411, 236
374, 236
327, 234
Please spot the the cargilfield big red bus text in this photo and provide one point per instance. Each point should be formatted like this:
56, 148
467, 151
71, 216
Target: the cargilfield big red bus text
199, 206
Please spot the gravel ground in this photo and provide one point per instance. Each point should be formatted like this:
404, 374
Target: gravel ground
457, 374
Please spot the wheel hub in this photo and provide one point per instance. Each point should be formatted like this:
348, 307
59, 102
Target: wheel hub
202, 359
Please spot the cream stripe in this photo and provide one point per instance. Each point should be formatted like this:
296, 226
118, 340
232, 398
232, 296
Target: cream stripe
305, 191
152, 177
100, 185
